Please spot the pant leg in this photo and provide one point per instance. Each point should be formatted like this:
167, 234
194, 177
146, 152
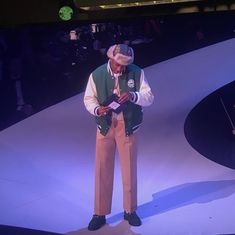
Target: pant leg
127, 150
105, 154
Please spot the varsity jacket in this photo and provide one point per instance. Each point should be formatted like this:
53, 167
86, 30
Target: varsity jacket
101, 85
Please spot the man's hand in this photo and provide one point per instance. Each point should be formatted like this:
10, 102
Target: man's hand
125, 96
103, 110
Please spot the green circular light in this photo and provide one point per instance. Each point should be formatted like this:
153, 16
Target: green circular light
65, 13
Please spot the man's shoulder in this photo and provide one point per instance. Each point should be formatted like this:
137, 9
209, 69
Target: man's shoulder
133, 67
99, 72
100, 68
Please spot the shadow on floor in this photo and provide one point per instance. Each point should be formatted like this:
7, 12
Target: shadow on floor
182, 195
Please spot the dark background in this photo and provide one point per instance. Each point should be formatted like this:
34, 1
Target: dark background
49, 67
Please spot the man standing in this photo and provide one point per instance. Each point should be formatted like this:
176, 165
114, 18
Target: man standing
116, 129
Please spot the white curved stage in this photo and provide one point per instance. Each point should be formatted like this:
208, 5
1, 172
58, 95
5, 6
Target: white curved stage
47, 161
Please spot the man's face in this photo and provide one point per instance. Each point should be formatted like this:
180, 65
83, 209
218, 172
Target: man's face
116, 68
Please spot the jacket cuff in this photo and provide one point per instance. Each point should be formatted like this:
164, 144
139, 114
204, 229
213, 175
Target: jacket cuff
134, 97
95, 111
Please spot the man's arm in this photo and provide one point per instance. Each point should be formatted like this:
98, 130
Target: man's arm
90, 100
143, 97
90, 97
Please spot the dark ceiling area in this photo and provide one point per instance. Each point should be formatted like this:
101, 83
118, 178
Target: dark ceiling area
17, 12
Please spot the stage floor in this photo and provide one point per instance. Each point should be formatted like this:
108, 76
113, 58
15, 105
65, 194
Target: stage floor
47, 160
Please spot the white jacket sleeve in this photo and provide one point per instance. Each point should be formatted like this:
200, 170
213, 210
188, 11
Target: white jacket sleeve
90, 97
143, 97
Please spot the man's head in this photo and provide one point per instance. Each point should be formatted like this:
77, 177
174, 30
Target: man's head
120, 56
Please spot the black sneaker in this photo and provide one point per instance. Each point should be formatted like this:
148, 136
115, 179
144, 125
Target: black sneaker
132, 218
96, 222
